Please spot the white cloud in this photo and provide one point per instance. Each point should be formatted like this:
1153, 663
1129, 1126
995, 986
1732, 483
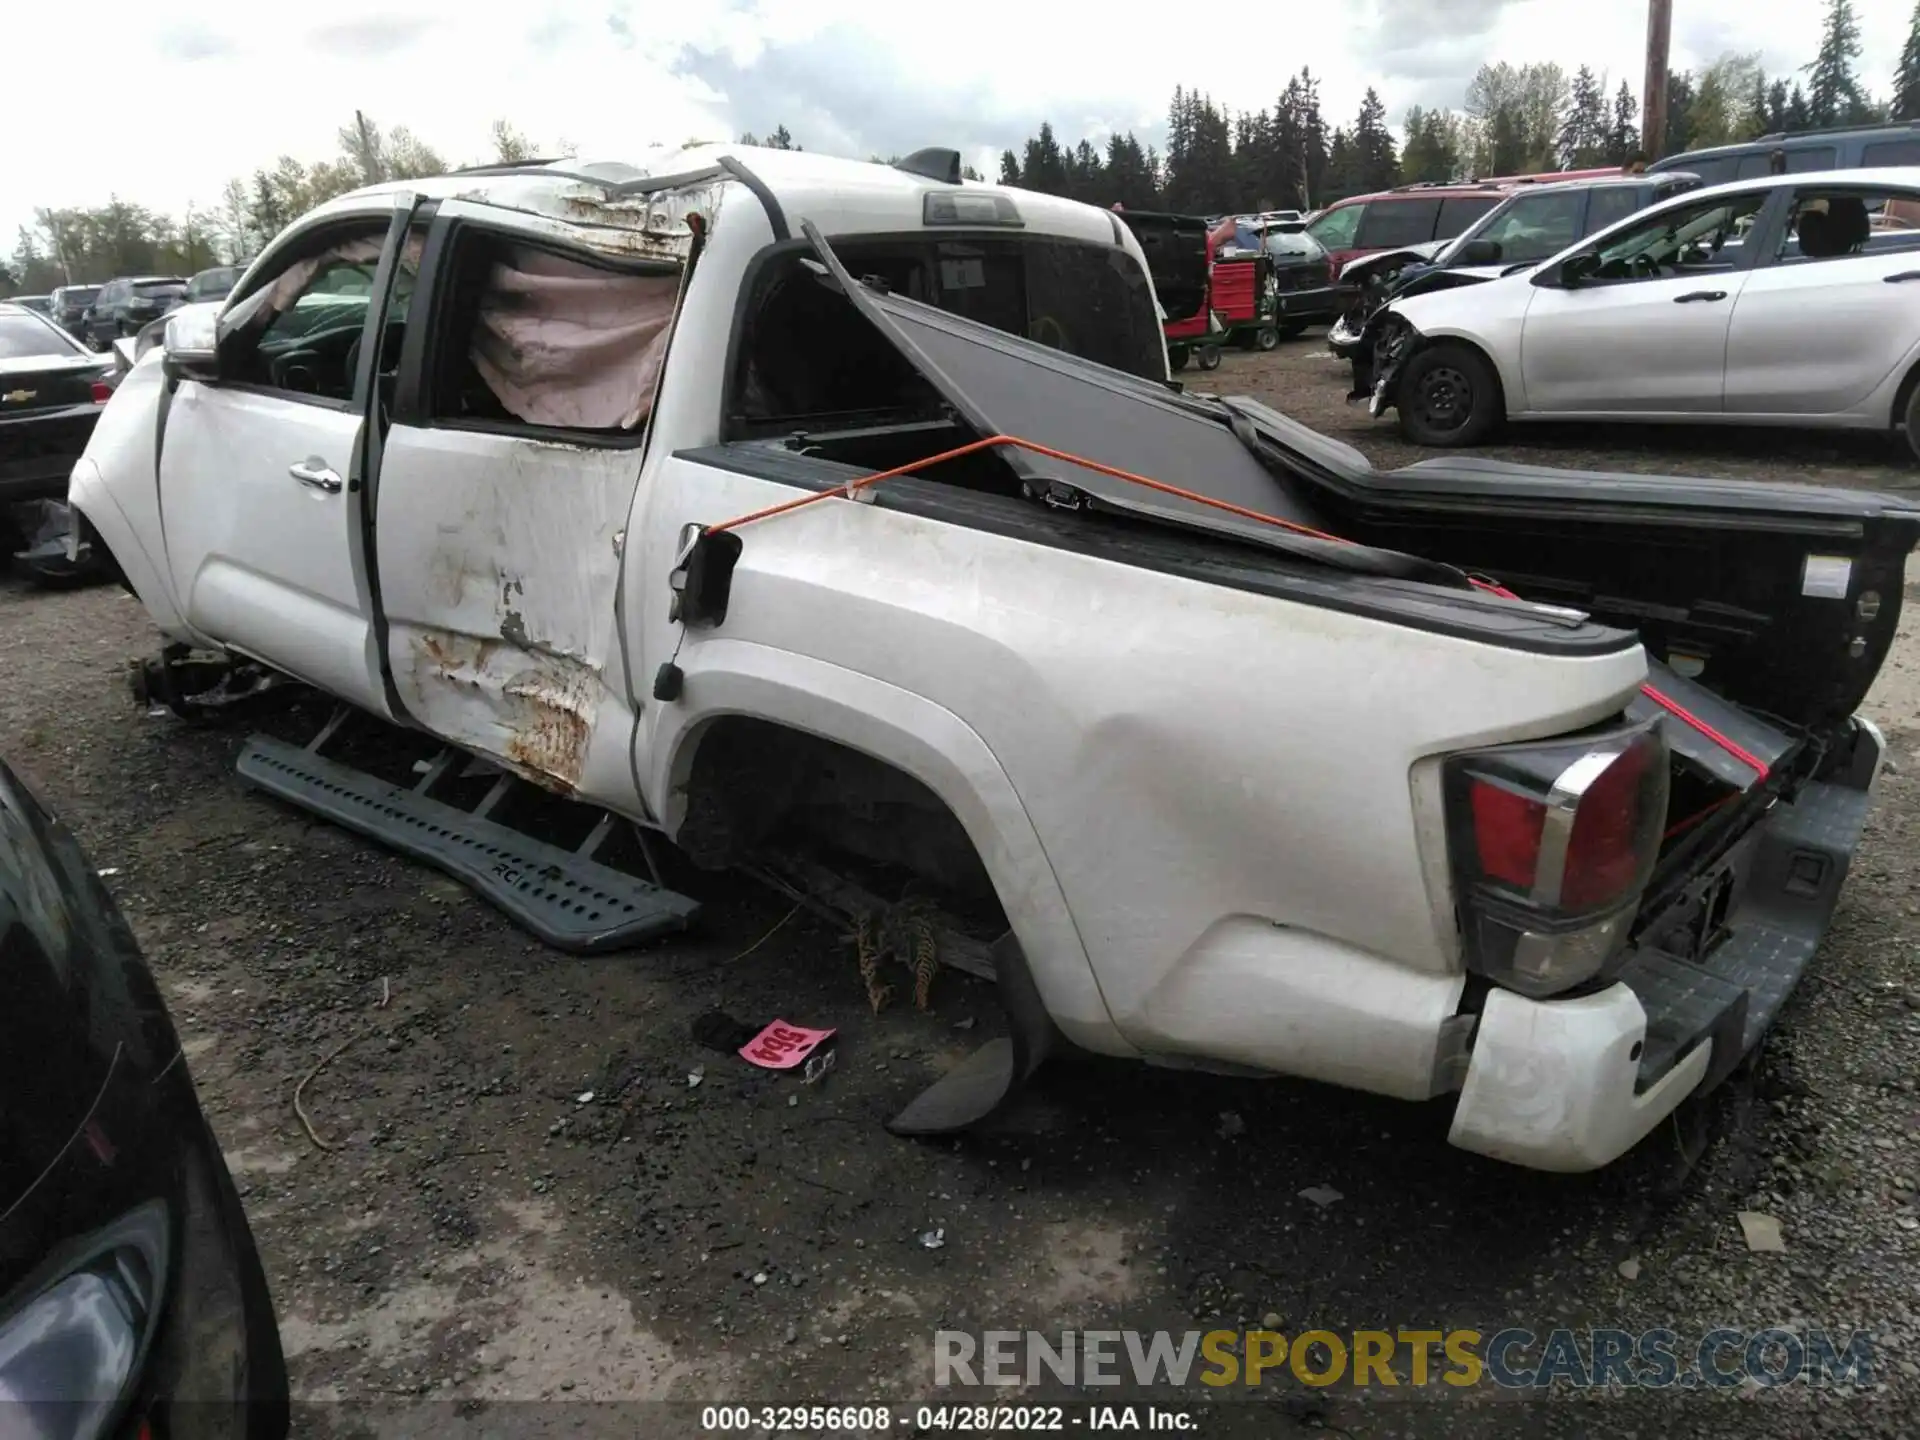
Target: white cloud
208, 90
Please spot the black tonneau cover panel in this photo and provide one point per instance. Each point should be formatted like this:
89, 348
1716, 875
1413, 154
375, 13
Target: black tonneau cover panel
1002, 384
1494, 487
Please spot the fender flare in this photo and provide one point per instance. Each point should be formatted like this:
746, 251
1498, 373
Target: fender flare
936, 747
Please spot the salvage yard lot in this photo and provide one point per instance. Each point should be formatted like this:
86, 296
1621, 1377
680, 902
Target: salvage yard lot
465, 1224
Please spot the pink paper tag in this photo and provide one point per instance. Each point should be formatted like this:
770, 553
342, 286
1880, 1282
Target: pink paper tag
782, 1046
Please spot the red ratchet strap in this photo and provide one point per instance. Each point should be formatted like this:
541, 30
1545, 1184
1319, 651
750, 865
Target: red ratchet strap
993, 441
1672, 707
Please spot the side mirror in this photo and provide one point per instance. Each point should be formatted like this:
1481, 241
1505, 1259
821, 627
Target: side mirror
190, 346
1480, 252
1571, 272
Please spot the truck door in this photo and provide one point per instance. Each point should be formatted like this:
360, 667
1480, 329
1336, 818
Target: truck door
260, 490
504, 486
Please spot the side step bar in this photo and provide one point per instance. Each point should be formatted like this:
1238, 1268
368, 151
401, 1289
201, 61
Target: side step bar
567, 898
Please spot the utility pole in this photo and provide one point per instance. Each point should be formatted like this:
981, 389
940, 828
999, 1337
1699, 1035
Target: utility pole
1653, 96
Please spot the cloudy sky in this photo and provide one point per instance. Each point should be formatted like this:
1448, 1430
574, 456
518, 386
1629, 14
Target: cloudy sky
211, 90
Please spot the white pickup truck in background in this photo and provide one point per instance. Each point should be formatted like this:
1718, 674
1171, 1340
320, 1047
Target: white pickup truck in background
1254, 765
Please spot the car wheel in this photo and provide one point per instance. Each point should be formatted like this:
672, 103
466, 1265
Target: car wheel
1209, 357
1265, 338
1913, 422
1287, 329
1177, 358
1448, 395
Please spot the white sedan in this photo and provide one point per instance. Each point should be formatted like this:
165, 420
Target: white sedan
1776, 301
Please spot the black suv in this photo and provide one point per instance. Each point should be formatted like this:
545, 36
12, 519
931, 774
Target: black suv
1846, 147
126, 304
68, 306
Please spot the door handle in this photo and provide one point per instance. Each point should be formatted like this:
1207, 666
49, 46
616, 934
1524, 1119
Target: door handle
1693, 295
314, 472
1903, 276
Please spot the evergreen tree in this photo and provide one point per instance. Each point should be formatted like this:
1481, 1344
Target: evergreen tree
1798, 115
1623, 135
1375, 165
1086, 175
1427, 155
1770, 115
1833, 86
1679, 112
1045, 168
1009, 168
1585, 133
1905, 104
1342, 169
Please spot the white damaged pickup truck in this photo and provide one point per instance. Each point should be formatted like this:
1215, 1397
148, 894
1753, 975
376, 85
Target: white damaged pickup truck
745, 494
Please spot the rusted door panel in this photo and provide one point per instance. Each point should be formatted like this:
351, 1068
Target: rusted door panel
499, 565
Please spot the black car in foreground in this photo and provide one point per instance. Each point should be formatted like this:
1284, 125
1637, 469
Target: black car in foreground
52, 389
132, 1299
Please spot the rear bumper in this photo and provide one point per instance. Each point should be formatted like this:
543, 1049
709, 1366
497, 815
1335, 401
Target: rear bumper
37, 452
1573, 1084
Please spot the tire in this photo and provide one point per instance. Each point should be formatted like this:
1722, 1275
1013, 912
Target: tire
1177, 356
1448, 395
1265, 338
1287, 329
1913, 422
1209, 357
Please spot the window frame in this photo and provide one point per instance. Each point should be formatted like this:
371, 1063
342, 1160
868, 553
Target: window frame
422, 348
1871, 161
1765, 219
1488, 203
1363, 241
1582, 198
291, 249
1790, 204
1358, 209
728, 424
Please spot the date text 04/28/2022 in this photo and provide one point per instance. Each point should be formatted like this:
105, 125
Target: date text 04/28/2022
924, 1419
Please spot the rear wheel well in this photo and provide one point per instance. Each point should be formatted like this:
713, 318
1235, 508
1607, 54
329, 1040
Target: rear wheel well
753, 786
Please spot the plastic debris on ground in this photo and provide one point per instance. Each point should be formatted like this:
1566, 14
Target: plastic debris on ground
781, 1046
1762, 1233
1321, 1195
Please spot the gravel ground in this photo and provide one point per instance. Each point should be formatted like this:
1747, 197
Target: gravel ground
474, 1230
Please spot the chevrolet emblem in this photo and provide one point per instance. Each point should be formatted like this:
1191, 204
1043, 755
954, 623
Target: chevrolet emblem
18, 397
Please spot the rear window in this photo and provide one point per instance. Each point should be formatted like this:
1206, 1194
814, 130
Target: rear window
807, 353
1389, 223
163, 290
1891, 152
1457, 214
23, 338
78, 294
1293, 243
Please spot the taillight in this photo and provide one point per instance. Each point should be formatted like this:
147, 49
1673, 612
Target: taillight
1551, 846
1333, 272
102, 392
